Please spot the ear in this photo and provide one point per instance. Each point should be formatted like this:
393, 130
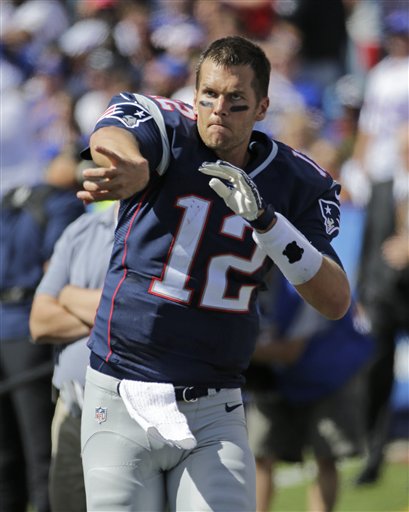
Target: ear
262, 108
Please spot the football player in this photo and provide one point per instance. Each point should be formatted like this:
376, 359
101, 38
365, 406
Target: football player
207, 207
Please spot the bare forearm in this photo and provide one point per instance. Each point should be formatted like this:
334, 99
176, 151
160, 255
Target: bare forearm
118, 141
122, 171
328, 291
319, 280
81, 302
52, 323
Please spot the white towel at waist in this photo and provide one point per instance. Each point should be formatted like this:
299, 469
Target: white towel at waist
153, 406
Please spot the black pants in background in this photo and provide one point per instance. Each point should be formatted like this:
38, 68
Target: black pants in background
25, 429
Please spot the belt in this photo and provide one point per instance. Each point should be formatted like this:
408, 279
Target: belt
16, 294
183, 393
192, 393
189, 393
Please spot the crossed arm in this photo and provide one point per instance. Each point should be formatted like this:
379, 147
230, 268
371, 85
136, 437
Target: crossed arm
64, 319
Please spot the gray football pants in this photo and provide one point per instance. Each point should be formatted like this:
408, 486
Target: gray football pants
124, 471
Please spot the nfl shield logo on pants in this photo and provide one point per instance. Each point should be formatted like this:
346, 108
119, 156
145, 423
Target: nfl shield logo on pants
101, 414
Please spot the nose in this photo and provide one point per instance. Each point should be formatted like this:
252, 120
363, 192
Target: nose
221, 107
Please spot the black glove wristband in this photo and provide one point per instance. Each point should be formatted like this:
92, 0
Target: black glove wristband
265, 219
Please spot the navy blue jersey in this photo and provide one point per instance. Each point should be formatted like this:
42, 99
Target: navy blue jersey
179, 301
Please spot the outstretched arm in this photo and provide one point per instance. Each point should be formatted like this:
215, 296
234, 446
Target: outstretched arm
318, 279
121, 169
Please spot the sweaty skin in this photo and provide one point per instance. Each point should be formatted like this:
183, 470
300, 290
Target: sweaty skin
237, 108
221, 126
208, 104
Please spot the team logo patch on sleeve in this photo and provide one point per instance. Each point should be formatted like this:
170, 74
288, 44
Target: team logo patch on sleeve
129, 114
331, 215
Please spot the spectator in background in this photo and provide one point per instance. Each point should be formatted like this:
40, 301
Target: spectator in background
132, 33
342, 112
321, 27
37, 121
32, 219
364, 30
175, 30
385, 107
50, 107
164, 75
282, 49
90, 31
377, 161
255, 18
384, 294
27, 30
63, 313
21, 163
104, 75
316, 400
299, 130
186, 92
217, 19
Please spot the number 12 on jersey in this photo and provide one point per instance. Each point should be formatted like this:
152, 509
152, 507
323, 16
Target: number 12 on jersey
173, 284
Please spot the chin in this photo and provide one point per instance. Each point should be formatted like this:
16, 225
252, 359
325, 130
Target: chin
216, 143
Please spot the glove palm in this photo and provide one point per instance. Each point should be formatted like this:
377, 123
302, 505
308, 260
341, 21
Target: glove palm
240, 193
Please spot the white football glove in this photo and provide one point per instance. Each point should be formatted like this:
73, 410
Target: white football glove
240, 193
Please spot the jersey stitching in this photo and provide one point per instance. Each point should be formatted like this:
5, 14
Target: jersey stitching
111, 312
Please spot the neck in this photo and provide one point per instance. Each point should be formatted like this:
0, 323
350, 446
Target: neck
238, 159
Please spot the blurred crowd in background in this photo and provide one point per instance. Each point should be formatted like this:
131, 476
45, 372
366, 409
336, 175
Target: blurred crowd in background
339, 93
61, 61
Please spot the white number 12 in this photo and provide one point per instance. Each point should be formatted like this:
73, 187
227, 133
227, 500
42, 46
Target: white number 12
173, 284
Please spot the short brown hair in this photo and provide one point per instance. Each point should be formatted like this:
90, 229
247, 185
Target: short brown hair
238, 51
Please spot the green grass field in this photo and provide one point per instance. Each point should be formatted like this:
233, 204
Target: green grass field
389, 494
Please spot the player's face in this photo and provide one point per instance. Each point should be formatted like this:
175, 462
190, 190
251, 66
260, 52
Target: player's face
227, 108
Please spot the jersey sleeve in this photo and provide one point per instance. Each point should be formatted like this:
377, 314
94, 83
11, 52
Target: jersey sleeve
312, 204
321, 221
142, 117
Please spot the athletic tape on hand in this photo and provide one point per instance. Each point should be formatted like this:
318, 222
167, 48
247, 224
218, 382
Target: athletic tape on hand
293, 254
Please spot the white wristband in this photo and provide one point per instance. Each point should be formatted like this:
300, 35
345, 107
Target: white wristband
293, 254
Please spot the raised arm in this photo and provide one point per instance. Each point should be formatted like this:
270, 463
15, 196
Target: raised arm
318, 279
121, 169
